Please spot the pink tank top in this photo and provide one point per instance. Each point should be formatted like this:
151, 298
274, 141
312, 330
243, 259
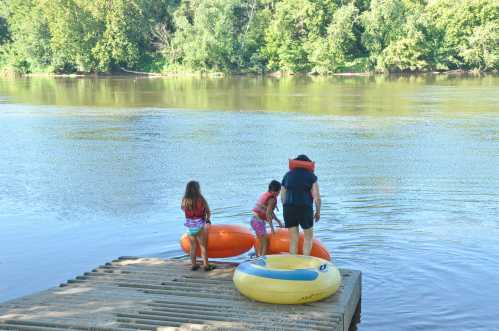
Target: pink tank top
261, 206
197, 212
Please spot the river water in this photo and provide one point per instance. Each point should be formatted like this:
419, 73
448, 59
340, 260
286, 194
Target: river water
92, 169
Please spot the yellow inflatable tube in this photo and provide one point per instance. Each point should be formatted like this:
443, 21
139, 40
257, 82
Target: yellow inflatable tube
287, 279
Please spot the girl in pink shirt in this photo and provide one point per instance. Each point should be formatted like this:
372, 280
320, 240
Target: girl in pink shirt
197, 215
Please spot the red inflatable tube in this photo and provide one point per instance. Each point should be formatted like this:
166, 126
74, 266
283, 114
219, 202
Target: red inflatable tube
223, 241
279, 243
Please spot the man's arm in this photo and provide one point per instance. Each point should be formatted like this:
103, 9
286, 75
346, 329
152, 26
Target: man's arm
317, 201
283, 195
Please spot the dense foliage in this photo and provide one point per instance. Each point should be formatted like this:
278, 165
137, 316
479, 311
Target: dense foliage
248, 36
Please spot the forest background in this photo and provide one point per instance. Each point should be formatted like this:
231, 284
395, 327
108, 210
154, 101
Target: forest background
248, 36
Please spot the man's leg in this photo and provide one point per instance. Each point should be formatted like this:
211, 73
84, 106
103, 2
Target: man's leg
291, 223
307, 224
307, 242
293, 239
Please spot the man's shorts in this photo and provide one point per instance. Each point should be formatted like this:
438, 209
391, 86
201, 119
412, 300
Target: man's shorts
298, 215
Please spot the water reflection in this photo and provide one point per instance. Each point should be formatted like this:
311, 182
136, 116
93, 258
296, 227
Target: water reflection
378, 95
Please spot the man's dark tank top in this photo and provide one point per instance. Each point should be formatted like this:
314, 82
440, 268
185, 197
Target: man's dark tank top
298, 184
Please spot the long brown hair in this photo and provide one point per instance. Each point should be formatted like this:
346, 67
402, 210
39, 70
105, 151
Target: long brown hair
192, 196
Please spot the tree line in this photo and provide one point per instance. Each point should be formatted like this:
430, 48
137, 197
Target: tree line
248, 36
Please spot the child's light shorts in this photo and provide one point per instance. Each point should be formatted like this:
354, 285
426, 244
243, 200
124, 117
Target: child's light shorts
258, 226
194, 226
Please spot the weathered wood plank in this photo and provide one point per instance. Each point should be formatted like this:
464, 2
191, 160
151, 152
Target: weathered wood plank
153, 294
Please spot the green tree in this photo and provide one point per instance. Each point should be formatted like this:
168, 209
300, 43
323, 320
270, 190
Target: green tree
337, 48
74, 32
383, 24
409, 51
221, 35
239, 36
482, 47
298, 28
122, 34
29, 48
452, 24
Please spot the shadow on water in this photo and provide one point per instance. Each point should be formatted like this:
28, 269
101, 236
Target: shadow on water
356, 319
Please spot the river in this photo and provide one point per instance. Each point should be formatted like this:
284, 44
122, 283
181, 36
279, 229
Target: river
94, 168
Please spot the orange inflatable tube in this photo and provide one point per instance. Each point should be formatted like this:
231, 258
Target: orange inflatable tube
223, 241
293, 164
279, 243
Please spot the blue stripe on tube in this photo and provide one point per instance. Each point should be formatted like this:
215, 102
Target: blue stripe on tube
297, 274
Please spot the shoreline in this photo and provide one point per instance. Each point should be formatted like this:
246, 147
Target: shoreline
130, 73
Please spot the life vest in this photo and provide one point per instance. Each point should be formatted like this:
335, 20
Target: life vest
197, 212
310, 166
261, 206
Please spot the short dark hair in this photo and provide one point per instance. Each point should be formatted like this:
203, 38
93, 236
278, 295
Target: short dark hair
274, 186
303, 157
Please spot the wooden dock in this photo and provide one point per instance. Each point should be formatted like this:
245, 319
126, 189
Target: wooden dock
156, 294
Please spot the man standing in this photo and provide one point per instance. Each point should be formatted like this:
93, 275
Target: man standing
299, 193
